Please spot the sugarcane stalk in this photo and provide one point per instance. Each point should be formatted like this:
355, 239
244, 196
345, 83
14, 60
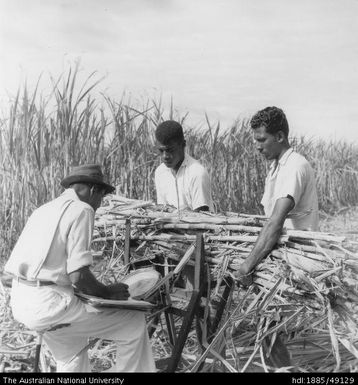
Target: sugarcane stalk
207, 226
311, 265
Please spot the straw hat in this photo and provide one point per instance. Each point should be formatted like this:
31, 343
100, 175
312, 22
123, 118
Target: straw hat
87, 173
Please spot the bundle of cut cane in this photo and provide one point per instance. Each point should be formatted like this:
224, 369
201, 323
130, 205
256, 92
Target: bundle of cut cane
307, 285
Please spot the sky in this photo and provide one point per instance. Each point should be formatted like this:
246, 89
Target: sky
224, 58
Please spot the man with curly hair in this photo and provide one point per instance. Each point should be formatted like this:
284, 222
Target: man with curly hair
290, 196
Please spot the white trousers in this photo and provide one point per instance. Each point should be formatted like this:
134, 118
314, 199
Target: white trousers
40, 308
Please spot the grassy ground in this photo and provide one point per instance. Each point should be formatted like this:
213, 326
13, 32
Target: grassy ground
345, 223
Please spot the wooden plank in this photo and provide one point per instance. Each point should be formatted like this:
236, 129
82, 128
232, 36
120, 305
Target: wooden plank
194, 302
184, 331
169, 319
199, 261
229, 283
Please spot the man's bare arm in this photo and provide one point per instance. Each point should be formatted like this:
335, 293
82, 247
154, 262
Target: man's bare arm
267, 239
84, 281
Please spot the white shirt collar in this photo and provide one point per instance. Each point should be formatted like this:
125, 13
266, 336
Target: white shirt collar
285, 156
71, 193
185, 161
184, 164
282, 160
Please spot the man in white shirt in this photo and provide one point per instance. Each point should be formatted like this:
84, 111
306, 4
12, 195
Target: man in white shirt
51, 258
292, 176
180, 181
290, 197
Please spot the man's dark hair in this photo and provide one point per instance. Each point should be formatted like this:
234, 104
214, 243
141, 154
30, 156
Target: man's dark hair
169, 131
272, 118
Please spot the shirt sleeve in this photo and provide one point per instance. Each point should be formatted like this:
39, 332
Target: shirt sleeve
201, 190
79, 241
293, 184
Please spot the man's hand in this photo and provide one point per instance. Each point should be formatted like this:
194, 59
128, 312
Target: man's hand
243, 276
85, 282
118, 291
266, 240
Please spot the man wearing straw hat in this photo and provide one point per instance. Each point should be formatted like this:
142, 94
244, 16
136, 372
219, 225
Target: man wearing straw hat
180, 181
51, 259
290, 196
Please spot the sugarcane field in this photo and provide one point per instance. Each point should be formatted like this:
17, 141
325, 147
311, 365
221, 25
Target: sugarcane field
183, 267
